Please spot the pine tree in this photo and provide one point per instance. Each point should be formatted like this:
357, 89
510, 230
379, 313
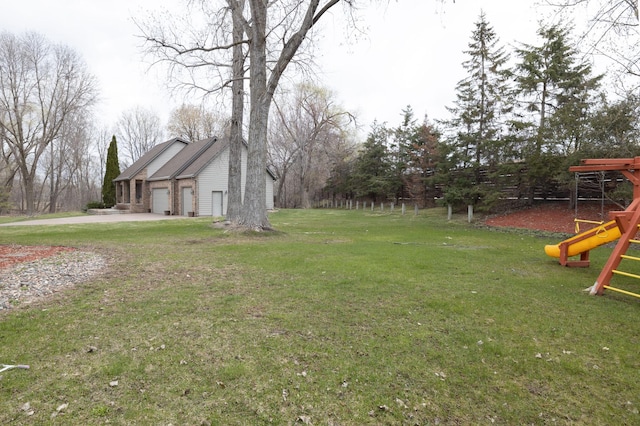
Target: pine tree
423, 158
476, 142
374, 176
403, 138
555, 91
112, 171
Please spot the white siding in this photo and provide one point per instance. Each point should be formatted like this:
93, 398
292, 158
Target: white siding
269, 191
215, 177
162, 159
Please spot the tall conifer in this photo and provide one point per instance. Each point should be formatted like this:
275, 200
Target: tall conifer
112, 171
556, 89
476, 142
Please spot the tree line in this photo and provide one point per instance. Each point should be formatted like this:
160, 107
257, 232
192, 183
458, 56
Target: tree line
519, 120
52, 154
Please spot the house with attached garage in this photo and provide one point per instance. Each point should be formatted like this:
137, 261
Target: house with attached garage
182, 178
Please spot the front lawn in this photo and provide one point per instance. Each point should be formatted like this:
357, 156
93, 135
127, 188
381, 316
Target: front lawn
339, 318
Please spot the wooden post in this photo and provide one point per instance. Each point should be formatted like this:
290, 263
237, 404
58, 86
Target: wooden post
469, 213
449, 211
403, 209
415, 210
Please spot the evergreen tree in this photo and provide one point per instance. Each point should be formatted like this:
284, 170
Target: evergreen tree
614, 130
555, 91
373, 176
423, 158
112, 171
476, 142
404, 136
482, 99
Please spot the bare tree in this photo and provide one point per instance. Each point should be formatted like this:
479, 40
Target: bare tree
8, 170
307, 131
138, 130
208, 61
270, 51
100, 139
612, 30
194, 123
41, 86
238, 58
264, 80
70, 173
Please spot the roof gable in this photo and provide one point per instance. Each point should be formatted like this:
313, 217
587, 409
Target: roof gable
203, 160
147, 158
195, 152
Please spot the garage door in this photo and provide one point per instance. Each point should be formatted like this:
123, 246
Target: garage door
160, 201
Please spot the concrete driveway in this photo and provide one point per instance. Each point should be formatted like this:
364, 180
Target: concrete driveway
104, 218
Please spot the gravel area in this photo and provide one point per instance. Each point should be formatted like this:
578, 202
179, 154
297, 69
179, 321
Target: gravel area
26, 282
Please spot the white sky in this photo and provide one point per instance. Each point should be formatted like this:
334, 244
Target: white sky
411, 53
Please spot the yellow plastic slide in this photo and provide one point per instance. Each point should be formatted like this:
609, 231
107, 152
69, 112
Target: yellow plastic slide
595, 237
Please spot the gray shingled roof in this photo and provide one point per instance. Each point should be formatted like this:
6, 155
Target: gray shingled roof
147, 158
203, 160
195, 152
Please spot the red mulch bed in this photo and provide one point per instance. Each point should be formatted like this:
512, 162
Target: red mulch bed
552, 216
12, 254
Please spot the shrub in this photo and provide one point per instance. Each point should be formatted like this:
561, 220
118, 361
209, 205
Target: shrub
95, 205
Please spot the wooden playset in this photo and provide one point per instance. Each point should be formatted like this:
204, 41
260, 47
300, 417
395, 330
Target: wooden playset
623, 226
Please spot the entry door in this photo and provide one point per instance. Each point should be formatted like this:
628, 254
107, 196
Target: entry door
187, 201
216, 203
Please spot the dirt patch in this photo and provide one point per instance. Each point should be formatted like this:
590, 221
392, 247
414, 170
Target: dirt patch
12, 254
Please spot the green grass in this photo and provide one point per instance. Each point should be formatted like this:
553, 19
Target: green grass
341, 317
21, 218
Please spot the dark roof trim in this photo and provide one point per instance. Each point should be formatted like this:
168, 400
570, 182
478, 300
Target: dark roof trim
173, 168
147, 158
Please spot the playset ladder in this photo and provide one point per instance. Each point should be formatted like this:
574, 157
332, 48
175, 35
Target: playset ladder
626, 274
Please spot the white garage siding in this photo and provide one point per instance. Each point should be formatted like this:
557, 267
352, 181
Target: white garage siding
159, 200
215, 177
269, 191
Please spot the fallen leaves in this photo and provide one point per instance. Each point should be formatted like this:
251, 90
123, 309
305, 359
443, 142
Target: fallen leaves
26, 407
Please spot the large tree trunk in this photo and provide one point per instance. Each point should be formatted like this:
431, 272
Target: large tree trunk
254, 214
29, 192
234, 206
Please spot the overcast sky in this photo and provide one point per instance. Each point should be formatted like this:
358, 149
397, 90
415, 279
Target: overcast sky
410, 53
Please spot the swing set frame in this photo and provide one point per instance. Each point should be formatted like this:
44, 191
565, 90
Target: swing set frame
601, 179
627, 220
